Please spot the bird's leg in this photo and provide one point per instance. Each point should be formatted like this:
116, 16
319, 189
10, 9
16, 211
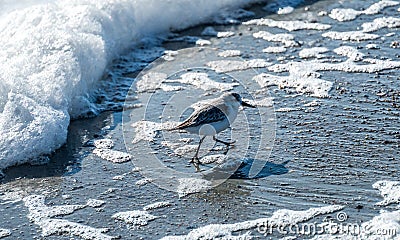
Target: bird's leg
195, 159
223, 142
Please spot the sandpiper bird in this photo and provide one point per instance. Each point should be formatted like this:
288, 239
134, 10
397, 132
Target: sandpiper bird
213, 117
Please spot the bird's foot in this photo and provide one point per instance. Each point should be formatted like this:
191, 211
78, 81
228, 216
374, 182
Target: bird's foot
224, 142
195, 160
196, 163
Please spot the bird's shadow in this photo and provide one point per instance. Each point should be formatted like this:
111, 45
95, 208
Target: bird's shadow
268, 169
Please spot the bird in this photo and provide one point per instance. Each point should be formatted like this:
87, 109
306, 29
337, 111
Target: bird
212, 117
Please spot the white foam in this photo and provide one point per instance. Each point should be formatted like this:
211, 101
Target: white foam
351, 52
350, 35
136, 217
43, 216
156, 205
140, 217
147, 130
184, 150
152, 81
216, 158
280, 218
372, 46
169, 55
285, 10
144, 181
103, 143
313, 103
53, 55
390, 191
379, 23
364, 34
202, 81
274, 50
315, 52
342, 14
202, 42
4, 232
230, 53
302, 81
112, 155
304, 76
285, 38
288, 25
192, 185
95, 203
287, 109
222, 66
265, 102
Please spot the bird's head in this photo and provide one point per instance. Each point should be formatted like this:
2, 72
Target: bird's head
235, 97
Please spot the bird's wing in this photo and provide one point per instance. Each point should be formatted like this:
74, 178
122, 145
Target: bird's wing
205, 115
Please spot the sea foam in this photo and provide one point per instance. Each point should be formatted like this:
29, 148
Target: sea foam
53, 54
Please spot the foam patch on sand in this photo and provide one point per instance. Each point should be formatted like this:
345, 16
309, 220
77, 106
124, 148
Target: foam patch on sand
285, 38
153, 81
143, 181
304, 76
351, 52
347, 14
375, 65
95, 203
390, 191
103, 143
223, 66
315, 52
147, 130
288, 25
302, 83
156, 205
364, 34
216, 158
372, 46
285, 10
379, 23
274, 50
138, 218
287, 109
202, 42
230, 53
265, 102
350, 35
202, 81
192, 185
280, 218
43, 216
4, 232
184, 150
112, 155
169, 55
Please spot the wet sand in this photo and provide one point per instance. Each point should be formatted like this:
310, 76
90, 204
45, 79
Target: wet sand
325, 150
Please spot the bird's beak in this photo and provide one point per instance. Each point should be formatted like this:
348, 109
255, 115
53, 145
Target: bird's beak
245, 104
